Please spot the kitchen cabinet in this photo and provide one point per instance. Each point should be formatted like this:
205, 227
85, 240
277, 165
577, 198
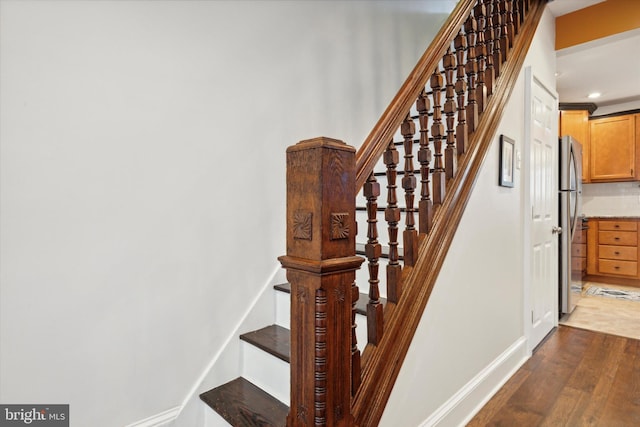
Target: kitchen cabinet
612, 248
613, 152
610, 145
576, 124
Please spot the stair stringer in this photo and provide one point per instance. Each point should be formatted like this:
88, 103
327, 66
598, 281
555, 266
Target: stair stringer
226, 363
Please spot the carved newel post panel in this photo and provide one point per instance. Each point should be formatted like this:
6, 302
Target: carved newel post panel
321, 265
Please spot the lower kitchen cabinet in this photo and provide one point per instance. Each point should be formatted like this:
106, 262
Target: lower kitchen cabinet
612, 248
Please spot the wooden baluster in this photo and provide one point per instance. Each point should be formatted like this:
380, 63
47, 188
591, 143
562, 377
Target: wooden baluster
437, 130
321, 264
497, 47
510, 25
460, 43
522, 9
410, 234
373, 250
450, 155
490, 73
392, 216
516, 16
481, 50
504, 31
425, 206
471, 68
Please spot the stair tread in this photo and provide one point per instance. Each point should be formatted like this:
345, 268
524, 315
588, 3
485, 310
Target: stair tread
273, 339
361, 305
243, 404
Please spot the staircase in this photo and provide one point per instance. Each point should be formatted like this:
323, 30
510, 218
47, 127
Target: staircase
260, 396
429, 146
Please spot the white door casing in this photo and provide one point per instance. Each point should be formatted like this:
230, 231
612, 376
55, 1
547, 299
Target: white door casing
541, 283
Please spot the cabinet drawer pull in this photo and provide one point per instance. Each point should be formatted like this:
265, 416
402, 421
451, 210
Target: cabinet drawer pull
616, 238
617, 253
617, 267
617, 226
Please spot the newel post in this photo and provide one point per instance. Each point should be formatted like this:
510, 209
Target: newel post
321, 265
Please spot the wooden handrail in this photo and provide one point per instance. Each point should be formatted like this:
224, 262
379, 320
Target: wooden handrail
374, 145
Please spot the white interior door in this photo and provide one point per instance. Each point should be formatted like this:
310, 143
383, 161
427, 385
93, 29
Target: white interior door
543, 186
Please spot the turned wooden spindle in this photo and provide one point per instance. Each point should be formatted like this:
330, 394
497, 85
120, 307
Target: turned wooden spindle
460, 43
505, 42
489, 36
437, 131
471, 67
410, 234
510, 25
450, 154
373, 250
517, 18
425, 206
481, 52
498, 57
392, 217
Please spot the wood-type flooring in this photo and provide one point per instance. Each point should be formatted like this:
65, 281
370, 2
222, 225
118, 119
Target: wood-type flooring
575, 378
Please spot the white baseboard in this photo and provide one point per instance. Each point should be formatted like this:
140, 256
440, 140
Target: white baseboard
463, 405
159, 420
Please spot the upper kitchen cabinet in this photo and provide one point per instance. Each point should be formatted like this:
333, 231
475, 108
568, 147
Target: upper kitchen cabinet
613, 153
576, 124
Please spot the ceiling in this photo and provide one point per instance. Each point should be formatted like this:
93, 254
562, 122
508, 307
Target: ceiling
609, 65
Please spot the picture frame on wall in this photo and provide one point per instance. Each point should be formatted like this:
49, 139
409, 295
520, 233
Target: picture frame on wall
507, 154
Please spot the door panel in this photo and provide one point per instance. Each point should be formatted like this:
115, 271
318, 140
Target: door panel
544, 204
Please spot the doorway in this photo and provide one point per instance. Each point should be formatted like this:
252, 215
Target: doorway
541, 183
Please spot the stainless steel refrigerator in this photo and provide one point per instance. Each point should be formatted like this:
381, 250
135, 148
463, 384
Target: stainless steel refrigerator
570, 220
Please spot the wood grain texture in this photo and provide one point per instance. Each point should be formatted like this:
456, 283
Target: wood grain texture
578, 378
273, 339
321, 264
242, 404
361, 305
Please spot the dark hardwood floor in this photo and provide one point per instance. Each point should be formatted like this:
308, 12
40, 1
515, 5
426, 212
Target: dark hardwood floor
576, 378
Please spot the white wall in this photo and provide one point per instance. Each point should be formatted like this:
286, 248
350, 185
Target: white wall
475, 316
142, 177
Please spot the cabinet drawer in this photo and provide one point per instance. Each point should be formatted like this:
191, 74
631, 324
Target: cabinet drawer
618, 225
627, 253
622, 238
623, 268
579, 250
580, 237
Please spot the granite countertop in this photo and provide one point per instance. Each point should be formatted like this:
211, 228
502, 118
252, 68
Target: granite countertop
613, 216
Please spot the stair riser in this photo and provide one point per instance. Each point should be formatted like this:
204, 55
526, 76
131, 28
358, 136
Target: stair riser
211, 418
266, 371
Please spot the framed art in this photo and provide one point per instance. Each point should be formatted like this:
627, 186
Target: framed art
507, 150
